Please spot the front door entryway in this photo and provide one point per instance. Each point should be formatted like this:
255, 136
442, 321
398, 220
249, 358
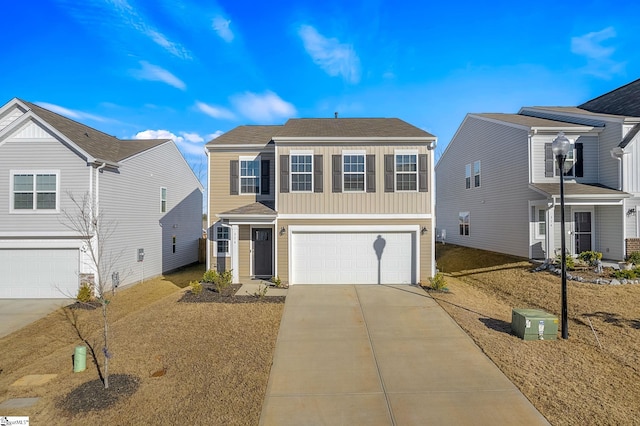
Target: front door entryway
262, 252
582, 222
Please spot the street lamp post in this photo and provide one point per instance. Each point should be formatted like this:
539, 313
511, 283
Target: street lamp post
560, 148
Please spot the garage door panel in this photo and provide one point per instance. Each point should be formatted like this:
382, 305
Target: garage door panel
351, 258
38, 273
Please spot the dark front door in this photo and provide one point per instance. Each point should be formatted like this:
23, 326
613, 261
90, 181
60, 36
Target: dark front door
583, 231
262, 252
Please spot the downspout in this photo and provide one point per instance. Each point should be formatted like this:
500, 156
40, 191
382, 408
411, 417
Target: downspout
432, 147
95, 207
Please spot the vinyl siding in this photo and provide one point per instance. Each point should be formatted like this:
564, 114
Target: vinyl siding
425, 241
609, 232
590, 158
244, 250
610, 137
131, 198
632, 229
32, 148
499, 207
378, 202
9, 117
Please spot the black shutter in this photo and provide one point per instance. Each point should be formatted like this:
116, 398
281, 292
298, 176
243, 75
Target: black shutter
336, 173
388, 173
579, 160
233, 177
423, 173
549, 163
317, 173
371, 173
265, 180
284, 173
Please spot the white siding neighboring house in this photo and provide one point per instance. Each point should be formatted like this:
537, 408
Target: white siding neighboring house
515, 209
144, 187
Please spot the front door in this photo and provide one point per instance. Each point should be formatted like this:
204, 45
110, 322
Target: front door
582, 222
262, 252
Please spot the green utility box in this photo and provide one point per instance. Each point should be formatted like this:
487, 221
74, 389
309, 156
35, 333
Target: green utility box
534, 324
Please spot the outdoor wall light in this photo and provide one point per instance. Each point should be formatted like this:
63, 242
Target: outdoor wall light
282, 231
631, 211
423, 230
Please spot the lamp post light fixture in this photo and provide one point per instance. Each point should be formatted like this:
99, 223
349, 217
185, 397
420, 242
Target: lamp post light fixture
560, 147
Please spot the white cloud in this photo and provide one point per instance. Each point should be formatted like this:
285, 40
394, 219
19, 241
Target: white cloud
221, 26
265, 108
169, 46
214, 135
189, 143
155, 73
215, 112
74, 114
599, 57
332, 56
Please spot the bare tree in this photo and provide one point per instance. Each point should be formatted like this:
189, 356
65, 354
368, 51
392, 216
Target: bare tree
89, 223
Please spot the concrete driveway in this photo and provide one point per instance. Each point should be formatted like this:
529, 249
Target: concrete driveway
383, 355
17, 313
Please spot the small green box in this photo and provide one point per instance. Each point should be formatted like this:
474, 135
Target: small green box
534, 324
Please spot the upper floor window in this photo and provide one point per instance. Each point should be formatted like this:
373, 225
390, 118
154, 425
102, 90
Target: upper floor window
222, 239
301, 172
406, 172
541, 229
163, 200
353, 172
467, 176
34, 191
463, 220
250, 176
476, 174
573, 164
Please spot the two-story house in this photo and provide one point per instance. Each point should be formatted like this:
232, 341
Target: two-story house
498, 185
144, 189
323, 201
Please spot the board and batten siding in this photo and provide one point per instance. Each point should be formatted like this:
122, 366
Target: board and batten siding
33, 148
425, 241
610, 138
378, 202
631, 166
220, 199
131, 198
499, 208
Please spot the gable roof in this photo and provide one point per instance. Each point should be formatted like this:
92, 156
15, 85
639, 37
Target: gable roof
246, 135
350, 128
624, 100
530, 121
94, 142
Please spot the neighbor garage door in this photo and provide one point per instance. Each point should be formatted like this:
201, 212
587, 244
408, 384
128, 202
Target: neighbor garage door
353, 258
38, 273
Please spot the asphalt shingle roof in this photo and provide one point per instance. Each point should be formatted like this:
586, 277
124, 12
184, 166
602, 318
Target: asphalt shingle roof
246, 135
579, 189
624, 100
528, 121
350, 127
257, 208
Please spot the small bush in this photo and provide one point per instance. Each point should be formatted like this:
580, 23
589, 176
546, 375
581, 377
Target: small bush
223, 280
196, 287
438, 282
210, 276
261, 291
634, 258
85, 293
276, 281
628, 274
590, 257
569, 261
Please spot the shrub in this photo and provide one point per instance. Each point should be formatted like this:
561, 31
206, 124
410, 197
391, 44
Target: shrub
196, 287
223, 280
261, 290
276, 281
591, 257
85, 293
568, 260
634, 258
210, 276
629, 274
438, 282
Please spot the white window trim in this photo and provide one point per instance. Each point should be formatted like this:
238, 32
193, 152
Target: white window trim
34, 210
291, 154
468, 223
259, 177
467, 176
228, 240
573, 164
537, 210
479, 174
395, 172
163, 199
363, 153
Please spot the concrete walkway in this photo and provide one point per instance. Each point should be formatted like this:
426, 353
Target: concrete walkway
383, 355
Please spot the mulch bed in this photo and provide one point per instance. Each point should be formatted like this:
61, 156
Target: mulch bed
228, 295
92, 396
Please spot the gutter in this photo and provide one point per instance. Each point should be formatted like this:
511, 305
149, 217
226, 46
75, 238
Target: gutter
616, 154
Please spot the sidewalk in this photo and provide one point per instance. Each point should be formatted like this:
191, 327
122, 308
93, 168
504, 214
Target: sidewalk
382, 355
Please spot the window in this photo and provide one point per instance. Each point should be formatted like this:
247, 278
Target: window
301, 172
573, 164
463, 219
568, 165
173, 243
250, 176
163, 200
406, 172
467, 176
476, 174
222, 237
353, 172
35, 191
541, 230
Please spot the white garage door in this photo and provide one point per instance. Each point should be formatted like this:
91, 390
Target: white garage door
353, 258
38, 273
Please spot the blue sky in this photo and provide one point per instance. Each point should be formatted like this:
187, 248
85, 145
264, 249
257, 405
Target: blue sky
192, 69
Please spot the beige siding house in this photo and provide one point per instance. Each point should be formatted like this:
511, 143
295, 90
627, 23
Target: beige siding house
323, 201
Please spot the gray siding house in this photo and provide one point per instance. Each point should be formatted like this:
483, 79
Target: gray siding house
144, 187
497, 183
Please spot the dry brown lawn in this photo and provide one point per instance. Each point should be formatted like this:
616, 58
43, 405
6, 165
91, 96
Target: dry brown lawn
214, 358
571, 382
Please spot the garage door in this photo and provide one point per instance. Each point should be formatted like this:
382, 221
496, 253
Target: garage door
353, 258
38, 273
